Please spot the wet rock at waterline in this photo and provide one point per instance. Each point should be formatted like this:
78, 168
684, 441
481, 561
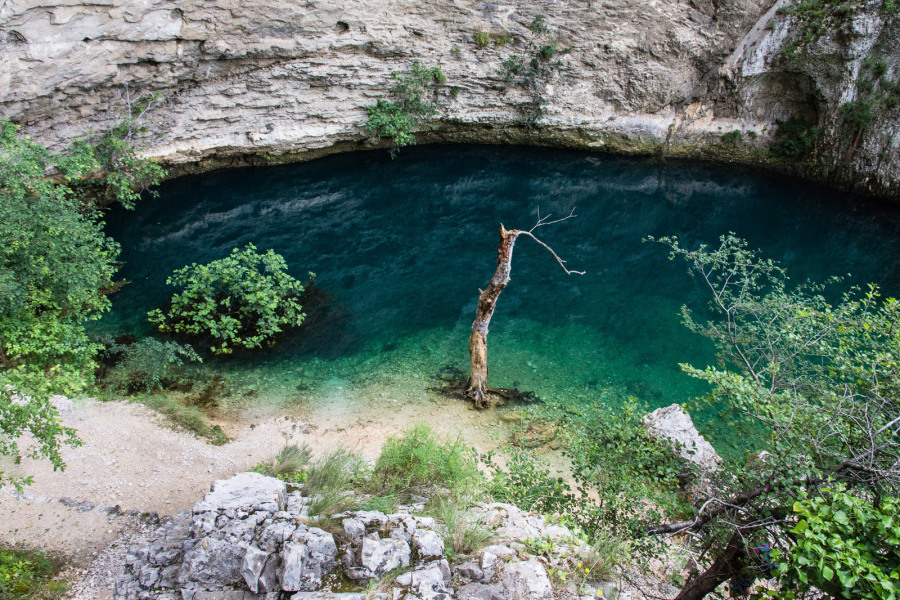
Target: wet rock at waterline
251, 539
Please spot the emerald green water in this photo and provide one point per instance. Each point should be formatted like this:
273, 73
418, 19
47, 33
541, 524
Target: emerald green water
402, 247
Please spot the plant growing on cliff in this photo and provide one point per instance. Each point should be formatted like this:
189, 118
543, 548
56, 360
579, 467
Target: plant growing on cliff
534, 71
241, 301
413, 101
821, 383
56, 269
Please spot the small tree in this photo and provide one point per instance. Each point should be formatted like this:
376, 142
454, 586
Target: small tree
477, 387
241, 301
56, 269
822, 383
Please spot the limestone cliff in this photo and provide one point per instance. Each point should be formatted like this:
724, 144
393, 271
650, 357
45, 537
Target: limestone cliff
277, 80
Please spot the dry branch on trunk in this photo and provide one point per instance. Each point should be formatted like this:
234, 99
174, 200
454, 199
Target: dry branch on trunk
477, 388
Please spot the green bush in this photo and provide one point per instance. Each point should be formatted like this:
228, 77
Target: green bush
482, 39
733, 136
241, 301
28, 575
56, 270
418, 462
844, 546
409, 105
857, 114
793, 139
527, 483
538, 25
143, 365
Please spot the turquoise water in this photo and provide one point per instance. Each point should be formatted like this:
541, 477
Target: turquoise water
401, 248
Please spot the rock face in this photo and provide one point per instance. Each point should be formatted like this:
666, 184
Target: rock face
674, 424
266, 548
277, 80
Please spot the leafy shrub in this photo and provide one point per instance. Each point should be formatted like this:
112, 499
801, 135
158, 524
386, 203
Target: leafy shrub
27, 575
482, 39
733, 136
527, 483
511, 67
56, 269
502, 40
143, 365
417, 461
538, 25
844, 546
793, 139
241, 301
857, 114
409, 106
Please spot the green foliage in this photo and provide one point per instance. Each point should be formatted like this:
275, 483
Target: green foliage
625, 479
330, 478
241, 301
634, 476
143, 365
539, 25
527, 483
463, 533
189, 418
511, 67
408, 107
502, 40
794, 139
418, 462
857, 113
733, 137
289, 465
482, 39
56, 268
819, 379
534, 75
844, 546
817, 18
28, 575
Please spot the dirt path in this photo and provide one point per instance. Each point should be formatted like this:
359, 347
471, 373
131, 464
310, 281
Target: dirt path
132, 458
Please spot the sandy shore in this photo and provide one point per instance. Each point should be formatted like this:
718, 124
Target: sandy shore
134, 459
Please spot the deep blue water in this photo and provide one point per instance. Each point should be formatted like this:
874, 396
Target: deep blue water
401, 248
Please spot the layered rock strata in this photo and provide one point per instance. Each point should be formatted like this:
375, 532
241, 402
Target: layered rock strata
272, 81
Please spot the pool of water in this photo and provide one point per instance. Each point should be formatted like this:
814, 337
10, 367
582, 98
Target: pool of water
401, 248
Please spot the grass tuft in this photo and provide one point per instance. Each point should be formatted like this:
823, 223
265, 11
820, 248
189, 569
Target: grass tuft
417, 462
463, 533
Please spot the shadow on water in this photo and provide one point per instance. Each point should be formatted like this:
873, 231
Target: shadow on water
401, 248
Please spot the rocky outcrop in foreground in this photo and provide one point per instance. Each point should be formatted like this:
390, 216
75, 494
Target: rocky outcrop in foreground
277, 80
250, 538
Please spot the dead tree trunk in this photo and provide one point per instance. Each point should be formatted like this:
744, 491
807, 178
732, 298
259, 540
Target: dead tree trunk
477, 388
727, 565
